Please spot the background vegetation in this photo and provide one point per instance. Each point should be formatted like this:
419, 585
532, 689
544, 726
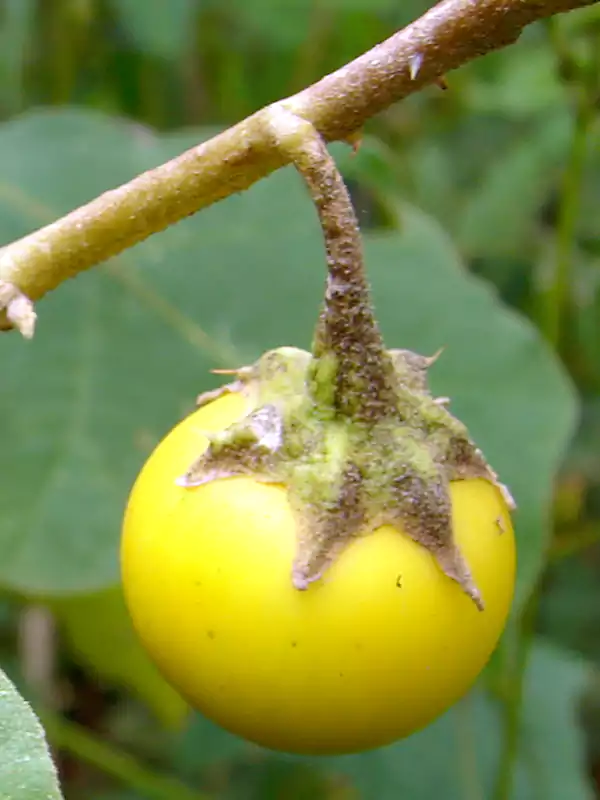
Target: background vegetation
480, 207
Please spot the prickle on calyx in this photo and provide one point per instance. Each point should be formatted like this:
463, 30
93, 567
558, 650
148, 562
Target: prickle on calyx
351, 429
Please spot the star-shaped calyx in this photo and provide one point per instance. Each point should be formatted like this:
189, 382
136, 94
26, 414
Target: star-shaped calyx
346, 477
351, 430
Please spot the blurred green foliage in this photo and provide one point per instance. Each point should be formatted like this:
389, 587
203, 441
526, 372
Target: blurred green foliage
480, 212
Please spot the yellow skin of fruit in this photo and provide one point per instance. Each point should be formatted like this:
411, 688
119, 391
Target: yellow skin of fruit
377, 648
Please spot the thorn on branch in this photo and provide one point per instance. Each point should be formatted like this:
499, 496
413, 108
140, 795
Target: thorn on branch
350, 358
355, 140
415, 62
18, 309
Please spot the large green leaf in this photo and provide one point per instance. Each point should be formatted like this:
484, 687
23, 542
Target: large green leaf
502, 210
158, 27
519, 87
552, 753
26, 770
121, 352
293, 24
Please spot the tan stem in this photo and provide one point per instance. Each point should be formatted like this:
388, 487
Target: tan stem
448, 35
349, 352
18, 308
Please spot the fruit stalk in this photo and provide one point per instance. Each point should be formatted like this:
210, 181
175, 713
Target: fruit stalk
347, 339
351, 430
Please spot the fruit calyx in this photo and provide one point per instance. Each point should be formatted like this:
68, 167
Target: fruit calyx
351, 429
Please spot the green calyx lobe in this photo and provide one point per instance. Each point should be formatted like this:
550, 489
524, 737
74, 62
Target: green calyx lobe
353, 453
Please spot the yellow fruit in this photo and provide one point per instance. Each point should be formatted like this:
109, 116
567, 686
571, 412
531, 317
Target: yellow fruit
376, 649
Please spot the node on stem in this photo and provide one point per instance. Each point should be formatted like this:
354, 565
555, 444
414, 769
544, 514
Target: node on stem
18, 309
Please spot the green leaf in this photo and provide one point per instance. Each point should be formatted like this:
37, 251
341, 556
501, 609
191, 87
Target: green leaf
204, 745
159, 27
26, 770
502, 211
121, 352
291, 25
281, 25
522, 86
552, 754
584, 20
99, 634
461, 750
